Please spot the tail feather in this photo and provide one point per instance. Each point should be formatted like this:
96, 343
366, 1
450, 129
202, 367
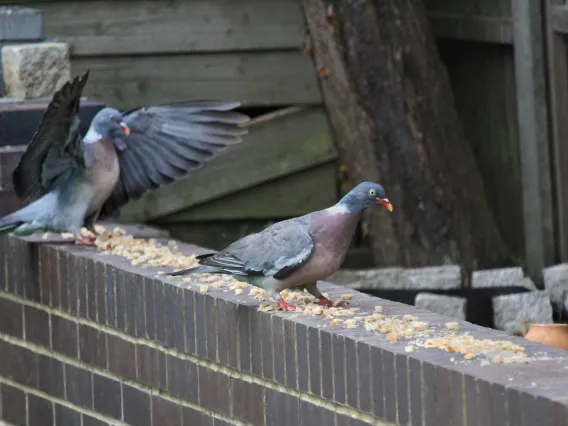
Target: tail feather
199, 270
9, 223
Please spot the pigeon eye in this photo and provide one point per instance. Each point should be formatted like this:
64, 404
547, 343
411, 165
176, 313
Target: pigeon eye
372, 192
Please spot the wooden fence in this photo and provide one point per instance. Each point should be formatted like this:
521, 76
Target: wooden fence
144, 51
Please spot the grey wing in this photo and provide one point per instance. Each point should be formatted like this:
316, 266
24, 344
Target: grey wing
55, 150
168, 141
277, 251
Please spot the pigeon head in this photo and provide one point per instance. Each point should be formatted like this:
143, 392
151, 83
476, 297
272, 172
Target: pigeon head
107, 124
365, 195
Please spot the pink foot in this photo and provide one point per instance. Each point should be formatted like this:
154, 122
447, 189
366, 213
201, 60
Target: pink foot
324, 301
285, 306
85, 241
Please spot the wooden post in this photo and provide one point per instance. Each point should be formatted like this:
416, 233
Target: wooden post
533, 135
557, 18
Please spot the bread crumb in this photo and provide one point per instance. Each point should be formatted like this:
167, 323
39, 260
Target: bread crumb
378, 309
409, 348
203, 288
347, 296
452, 326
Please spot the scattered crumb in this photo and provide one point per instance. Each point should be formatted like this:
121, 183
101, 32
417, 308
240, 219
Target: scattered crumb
485, 363
378, 309
347, 296
452, 326
67, 236
46, 236
238, 291
335, 322
409, 348
203, 288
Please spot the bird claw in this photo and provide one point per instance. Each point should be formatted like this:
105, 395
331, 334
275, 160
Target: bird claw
324, 301
285, 306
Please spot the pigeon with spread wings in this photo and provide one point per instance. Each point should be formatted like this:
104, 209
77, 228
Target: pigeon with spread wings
69, 181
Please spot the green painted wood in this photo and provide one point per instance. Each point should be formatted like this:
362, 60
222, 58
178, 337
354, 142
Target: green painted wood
279, 144
483, 81
118, 27
292, 195
255, 79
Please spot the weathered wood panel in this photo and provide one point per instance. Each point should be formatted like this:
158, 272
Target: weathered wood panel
289, 196
124, 27
479, 20
255, 79
279, 144
558, 91
483, 81
534, 139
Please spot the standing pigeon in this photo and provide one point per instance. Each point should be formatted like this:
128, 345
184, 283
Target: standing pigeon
69, 180
295, 252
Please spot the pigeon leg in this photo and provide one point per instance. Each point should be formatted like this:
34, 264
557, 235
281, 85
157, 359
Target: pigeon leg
285, 306
322, 300
273, 290
86, 241
90, 223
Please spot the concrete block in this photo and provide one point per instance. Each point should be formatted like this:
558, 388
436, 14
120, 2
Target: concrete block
20, 24
510, 310
502, 277
438, 277
35, 70
450, 306
556, 282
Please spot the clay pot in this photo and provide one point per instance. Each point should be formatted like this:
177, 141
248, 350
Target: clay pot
549, 334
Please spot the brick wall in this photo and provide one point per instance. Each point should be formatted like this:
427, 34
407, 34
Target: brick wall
87, 339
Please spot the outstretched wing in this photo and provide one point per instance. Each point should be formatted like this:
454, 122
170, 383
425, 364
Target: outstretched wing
168, 141
277, 251
55, 150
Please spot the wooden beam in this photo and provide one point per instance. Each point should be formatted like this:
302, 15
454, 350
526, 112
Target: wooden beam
274, 148
255, 79
125, 27
558, 18
290, 196
558, 74
533, 136
472, 28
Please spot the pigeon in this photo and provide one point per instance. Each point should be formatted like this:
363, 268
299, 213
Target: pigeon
295, 253
69, 181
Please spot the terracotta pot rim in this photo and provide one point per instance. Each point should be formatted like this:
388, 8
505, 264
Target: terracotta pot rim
551, 325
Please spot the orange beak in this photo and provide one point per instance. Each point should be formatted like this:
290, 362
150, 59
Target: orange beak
125, 128
385, 202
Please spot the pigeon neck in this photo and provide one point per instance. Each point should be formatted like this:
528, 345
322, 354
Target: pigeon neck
92, 136
344, 207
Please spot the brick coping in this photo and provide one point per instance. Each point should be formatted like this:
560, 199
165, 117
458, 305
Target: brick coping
354, 372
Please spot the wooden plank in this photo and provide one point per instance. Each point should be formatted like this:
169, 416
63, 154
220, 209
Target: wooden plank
558, 74
483, 29
533, 136
255, 79
483, 82
558, 16
287, 144
118, 27
494, 8
19, 119
293, 195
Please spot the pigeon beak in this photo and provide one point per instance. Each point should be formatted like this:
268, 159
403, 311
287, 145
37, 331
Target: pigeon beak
125, 128
385, 202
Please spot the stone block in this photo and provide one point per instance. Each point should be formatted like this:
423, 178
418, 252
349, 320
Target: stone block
450, 306
35, 70
511, 310
438, 277
556, 282
502, 277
